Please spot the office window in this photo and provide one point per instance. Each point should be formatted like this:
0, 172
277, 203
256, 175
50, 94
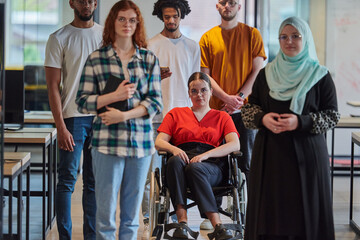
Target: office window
273, 12
203, 17
28, 25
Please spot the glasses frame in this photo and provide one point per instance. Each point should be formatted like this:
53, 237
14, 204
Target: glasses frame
131, 21
292, 38
231, 3
202, 91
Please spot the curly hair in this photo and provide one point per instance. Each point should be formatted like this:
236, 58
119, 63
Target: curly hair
139, 36
179, 5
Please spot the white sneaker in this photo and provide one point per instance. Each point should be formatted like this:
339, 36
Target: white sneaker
146, 232
206, 225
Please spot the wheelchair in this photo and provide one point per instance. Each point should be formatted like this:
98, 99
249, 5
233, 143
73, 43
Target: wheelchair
234, 187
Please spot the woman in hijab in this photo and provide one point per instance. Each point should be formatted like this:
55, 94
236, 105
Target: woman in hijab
293, 104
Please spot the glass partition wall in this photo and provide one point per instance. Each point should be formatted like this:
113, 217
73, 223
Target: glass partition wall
2, 66
270, 14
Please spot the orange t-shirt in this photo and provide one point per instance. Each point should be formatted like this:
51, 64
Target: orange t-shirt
229, 54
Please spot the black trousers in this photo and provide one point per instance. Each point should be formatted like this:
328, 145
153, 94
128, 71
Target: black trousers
247, 138
199, 177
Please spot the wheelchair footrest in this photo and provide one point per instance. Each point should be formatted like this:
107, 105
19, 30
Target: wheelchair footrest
158, 230
170, 226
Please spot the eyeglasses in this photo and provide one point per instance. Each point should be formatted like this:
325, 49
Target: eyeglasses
202, 91
231, 3
293, 38
82, 2
132, 21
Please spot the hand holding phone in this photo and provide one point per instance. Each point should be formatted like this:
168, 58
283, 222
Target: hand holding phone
164, 69
165, 72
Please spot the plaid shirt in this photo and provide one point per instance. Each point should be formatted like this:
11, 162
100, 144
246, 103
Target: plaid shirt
134, 137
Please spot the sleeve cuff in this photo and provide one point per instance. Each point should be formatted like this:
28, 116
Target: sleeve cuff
305, 122
92, 104
258, 119
151, 111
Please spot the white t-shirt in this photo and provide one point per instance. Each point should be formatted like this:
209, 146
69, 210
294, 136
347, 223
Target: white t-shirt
68, 48
182, 56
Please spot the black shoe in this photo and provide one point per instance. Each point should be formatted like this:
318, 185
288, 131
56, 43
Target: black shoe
220, 233
180, 232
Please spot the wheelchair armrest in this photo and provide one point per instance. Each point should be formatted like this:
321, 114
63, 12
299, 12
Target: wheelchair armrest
233, 166
236, 154
162, 153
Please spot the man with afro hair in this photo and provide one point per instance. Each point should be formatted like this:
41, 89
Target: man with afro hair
181, 6
179, 57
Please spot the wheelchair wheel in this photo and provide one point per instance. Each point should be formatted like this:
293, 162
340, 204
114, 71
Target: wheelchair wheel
154, 203
243, 197
240, 201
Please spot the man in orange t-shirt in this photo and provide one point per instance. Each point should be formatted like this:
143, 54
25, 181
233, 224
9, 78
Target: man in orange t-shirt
233, 54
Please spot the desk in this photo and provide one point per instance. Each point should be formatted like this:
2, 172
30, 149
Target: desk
344, 122
355, 139
53, 132
43, 140
353, 103
39, 117
14, 165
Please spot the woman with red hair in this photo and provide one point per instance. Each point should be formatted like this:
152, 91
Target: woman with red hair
122, 142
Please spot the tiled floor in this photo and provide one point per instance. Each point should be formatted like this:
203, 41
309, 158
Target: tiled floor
341, 213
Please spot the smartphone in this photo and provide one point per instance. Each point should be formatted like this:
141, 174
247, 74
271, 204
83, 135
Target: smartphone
164, 69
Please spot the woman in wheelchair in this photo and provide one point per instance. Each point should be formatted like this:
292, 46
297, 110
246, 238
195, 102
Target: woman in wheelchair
194, 136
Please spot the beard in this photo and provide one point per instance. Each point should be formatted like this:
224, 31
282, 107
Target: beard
171, 29
83, 18
228, 17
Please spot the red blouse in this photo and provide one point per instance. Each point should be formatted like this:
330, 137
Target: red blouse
182, 125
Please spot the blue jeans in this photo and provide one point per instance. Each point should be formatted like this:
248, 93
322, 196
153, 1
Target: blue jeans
80, 128
113, 174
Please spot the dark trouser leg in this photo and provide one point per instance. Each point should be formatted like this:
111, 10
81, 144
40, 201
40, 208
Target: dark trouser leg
88, 198
201, 177
247, 138
175, 178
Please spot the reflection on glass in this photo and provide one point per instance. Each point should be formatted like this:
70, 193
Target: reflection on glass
203, 17
2, 30
29, 24
279, 11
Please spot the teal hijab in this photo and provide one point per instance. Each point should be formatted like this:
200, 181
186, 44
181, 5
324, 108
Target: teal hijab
292, 77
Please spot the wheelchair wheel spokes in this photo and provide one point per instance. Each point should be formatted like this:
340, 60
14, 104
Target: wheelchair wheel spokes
240, 201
